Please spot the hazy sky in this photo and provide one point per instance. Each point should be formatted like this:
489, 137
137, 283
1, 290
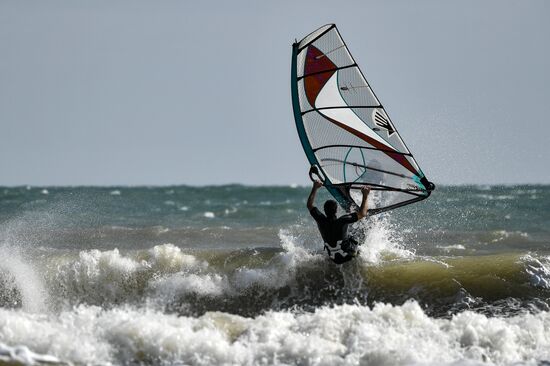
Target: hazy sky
198, 92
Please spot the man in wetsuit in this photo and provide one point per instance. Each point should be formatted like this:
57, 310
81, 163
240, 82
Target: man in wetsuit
334, 230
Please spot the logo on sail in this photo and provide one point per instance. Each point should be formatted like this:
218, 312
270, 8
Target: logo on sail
381, 121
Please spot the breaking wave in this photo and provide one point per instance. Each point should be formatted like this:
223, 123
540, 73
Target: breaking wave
249, 282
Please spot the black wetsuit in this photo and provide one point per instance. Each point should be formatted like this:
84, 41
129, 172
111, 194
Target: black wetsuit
339, 245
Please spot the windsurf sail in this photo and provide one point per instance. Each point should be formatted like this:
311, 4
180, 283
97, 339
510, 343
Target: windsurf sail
346, 132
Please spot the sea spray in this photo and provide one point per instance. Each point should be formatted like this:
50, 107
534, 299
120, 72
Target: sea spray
380, 239
20, 280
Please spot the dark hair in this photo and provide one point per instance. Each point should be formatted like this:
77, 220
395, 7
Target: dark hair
330, 208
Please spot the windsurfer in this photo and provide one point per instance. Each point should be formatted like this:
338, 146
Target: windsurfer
334, 230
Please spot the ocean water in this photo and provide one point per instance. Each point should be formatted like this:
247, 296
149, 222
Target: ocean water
235, 275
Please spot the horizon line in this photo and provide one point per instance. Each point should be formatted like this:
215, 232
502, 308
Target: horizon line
290, 185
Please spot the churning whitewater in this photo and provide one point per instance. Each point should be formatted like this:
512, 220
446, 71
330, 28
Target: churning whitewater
236, 275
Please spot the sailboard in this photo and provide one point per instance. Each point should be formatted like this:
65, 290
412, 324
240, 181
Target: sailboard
345, 131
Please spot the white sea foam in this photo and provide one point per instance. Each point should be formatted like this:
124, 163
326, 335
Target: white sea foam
180, 284
502, 235
492, 197
538, 270
168, 257
99, 276
231, 210
21, 355
209, 215
115, 192
161, 229
338, 335
164, 273
281, 270
449, 248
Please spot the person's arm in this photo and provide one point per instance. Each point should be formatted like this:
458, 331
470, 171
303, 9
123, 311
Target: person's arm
363, 210
311, 198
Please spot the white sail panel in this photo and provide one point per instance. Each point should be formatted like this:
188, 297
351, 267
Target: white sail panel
310, 37
330, 96
354, 88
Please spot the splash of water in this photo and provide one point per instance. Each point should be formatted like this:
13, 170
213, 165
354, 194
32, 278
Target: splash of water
24, 278
381, 240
